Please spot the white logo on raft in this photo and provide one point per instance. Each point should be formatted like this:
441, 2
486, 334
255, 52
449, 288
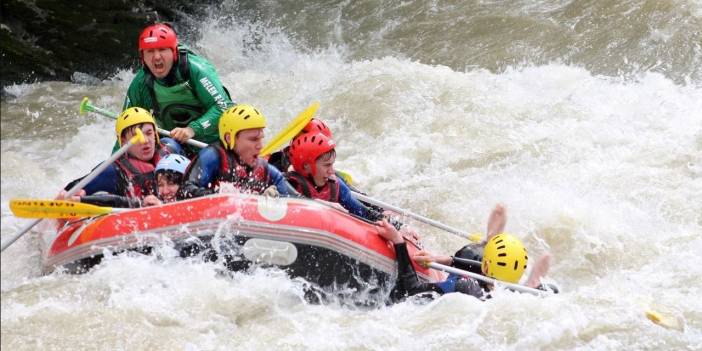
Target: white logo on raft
150, 39
218, 98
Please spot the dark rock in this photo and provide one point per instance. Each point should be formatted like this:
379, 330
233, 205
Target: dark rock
50, 40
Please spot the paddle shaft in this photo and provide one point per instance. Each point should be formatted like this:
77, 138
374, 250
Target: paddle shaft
106, 113
415, 216
74, 190
516, 287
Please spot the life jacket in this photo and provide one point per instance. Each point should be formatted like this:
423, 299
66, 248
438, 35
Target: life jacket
177, 105
329, 192
137, 177
245, 178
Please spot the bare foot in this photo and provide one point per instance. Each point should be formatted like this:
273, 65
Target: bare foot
540, 269
496, 221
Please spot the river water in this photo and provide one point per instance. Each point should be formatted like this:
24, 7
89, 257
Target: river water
583, 117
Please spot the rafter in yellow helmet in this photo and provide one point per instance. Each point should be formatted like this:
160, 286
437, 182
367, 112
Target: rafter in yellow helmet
236, 119
131, 117
504, 258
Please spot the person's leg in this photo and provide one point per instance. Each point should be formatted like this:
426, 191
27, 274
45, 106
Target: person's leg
540, 269
496, 221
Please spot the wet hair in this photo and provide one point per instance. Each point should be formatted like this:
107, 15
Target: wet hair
327, 155
171, 176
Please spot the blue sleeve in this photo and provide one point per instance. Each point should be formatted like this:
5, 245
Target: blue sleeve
276, 178
105, 181
206, 168
349, 202
172, 145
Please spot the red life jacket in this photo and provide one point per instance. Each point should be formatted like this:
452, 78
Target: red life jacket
137, 177
329, 192
245, 178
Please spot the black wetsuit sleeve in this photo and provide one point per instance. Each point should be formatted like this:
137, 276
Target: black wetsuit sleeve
110, 200
190, 190
471, 287
407, 283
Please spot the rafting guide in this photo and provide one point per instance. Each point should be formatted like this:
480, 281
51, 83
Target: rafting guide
181, 88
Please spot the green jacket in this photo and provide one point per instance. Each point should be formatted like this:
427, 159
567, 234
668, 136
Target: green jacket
202, 96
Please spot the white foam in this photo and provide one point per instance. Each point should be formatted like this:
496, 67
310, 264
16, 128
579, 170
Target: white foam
602, 171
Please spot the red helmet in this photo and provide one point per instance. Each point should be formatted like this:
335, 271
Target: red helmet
307, 148
317, 126
158, 36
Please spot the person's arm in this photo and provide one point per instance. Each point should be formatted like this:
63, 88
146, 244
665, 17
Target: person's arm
105, 181
354, 206
200, 175
210, 92
170, 146
111, 200
407, 282
276, 178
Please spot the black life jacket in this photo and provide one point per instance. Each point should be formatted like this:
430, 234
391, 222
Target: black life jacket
245, 178
136, 181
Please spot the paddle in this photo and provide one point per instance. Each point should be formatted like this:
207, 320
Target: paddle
86, 106
488, 280
664, 320
138, 138
472, 237
36, 208
291, 130
345, 176
283, 137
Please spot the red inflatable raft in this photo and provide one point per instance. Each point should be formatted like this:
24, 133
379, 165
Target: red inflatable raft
306, 238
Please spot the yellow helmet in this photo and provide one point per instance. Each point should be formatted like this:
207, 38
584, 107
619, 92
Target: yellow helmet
236, 119
504, 258
131, 117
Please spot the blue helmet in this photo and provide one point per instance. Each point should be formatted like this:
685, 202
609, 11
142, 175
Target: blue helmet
173, 162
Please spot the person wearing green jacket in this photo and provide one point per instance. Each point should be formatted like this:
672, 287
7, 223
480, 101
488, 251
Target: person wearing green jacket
182, 89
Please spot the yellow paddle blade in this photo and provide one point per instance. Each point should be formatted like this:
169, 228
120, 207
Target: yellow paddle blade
664, 320
291, 130
36, 208
138, 138
84, 105
346, 176
475, 237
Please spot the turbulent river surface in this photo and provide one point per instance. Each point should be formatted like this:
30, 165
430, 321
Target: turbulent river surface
583, 117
